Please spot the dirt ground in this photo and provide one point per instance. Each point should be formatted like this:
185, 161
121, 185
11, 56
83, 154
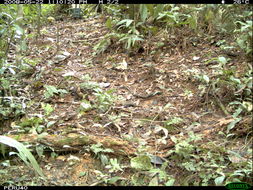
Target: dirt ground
143, 89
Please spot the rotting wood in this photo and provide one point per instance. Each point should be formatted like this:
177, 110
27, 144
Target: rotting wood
75, 142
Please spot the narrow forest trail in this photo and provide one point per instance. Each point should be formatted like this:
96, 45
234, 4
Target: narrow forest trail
151, 92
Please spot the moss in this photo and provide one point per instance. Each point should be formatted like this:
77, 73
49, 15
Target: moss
73, 141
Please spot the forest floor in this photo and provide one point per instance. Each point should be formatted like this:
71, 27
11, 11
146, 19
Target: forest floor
142, 100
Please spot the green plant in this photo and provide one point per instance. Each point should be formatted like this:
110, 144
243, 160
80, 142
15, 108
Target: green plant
184, 148
85, 106
48, 109
11, 105
10, 30
147, 174
106, 178
207, 164
114, 166
99, 151
104, 99
33, 123
171, 124
227, 90
23, 153
130, 40
50, 91
132, 35
141, 162
109, 40
244, 39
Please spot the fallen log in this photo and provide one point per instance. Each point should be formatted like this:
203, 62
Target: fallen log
76, 142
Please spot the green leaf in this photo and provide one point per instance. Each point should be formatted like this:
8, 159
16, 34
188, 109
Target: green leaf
40, 129
113, 180
219, 180
50, 90
158, 9
81, 174
141, 163
237, 81
50, 123
128, 22
241, 43
237, 112
19, 30
153, 182
206, 78
108, 23
24, 153
150, 8
40, 150
85, 105
170, 182
23, 45
143, 12
47, 108
232, 124
174, 139
8, 15
222, 60
3, 149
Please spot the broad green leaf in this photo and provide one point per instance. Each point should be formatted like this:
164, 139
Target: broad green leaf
40, 129
219, 180
23, 45
47, 108
222, 60
150, 8
241, 43
141, 163
238, 81
85, 105
158, 9
50, 91
232, 124
24, 153
108, 23
170, 182
19, 30
154, 181
128, 22
113, 180
50, 123
8, 15
143, 12
237, 112
81, 174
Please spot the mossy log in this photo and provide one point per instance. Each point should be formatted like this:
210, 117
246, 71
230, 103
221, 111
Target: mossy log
76, 142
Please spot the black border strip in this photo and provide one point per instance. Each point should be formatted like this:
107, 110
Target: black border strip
126, 2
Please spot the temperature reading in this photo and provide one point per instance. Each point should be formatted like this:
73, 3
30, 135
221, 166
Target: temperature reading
241, 1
